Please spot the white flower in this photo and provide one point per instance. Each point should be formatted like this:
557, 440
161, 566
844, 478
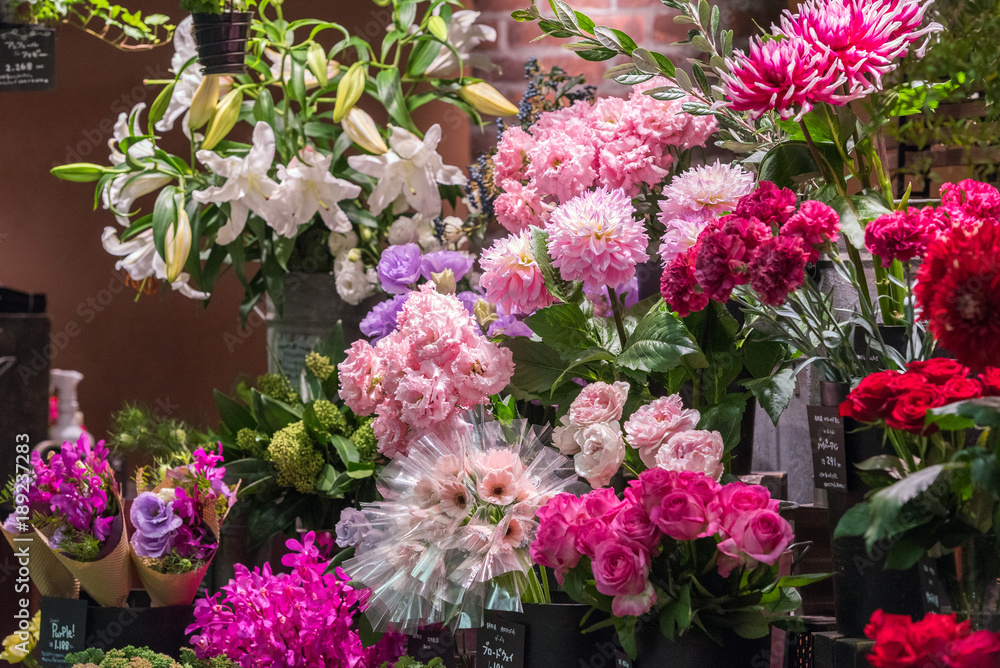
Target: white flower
412, 168
564, 437
309, 187
602, 452
354, 283
190, 79
403, 231
247, 187
465, 35
696, 450
341, 243
124, 189
141, 261
308, 78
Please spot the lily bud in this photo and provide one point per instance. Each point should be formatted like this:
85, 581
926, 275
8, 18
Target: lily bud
361, 128
205, 102
177, 245
349, 90
444, 281
485, 312
487, 100
225, 118
81, 172
318, 63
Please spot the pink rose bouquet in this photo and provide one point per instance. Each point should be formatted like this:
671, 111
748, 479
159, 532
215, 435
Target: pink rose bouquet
679, 547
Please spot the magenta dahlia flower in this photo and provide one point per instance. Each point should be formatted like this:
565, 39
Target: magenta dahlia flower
596, 239
511, 276
788, 76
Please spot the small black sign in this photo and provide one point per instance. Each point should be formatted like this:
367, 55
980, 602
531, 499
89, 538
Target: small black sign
500, 644
27, 58
63, 630
432, 644
826, 433
622, 660
935, 597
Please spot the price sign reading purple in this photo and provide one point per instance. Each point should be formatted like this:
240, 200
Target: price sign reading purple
826, 433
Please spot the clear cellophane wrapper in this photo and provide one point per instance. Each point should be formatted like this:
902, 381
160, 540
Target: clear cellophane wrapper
108, 579
431, 563
166, 589
46, 572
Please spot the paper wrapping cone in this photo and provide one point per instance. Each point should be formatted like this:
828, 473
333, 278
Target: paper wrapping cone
109, 579
50, 576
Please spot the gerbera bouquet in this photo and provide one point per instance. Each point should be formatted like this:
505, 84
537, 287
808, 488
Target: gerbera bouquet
320, 185
176, 527
679, 550
450, 539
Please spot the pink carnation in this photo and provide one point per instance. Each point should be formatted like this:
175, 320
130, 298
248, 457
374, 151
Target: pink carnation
599, 402
709, 189
768, 203
595, 238
778, 268
679, 286
652, 425
722, 259
359, 379
561, 165
519, 207
628, 162
662, 124
976, 198
816, 224
511, 276
511, 160
900, 235
788, 76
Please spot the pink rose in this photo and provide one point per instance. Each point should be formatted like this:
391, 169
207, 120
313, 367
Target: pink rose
603, 503
700, 485
555, 541
682, 516
758, 537
697, 451
623, 572
359, 387
564, 437
592, 534
634, 526
599, 402
649, 428
738, 499
602, 452
652, 485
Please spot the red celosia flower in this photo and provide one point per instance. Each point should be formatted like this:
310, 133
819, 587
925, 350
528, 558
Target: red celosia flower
778, 268
977, 199
788, 76
678, 285
902, 235
958, 292
768, 203
816, 224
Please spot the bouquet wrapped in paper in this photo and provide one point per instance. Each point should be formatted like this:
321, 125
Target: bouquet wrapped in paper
451, 537
177, 528
77, 514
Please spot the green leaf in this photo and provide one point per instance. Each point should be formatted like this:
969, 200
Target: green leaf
537, 366
802, 580
906, 551
854, 522
724, 417
160, 104
886, 504
659, 343
786, 161
390, 93
234, 415
346, 449
773, 392
554, 283
749, 623
597, 54
275, 414
645, 62
164, 216
984, 412
564, 327
676, 615
626, 634
263, 107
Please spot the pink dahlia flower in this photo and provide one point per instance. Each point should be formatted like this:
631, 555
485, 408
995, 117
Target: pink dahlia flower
682, 233
713, 188
596, 239
788, 76
511, 276
778, 268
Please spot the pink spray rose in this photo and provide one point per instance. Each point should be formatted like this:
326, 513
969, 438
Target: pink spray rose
757, 537
696, 450
683, 516
622, 572
652, 425
599, 402
634, 526
555, 542
738, 499
602, 452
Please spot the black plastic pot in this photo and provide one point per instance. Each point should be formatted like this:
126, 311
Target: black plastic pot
221, 40
861, 583
553, 637
160, 629
695, 650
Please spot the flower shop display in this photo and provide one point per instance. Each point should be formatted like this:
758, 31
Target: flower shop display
450, 539
259, 619
176, 527
312, 192
936, 640
679, 549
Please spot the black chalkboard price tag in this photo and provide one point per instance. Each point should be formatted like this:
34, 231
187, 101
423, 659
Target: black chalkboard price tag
63, 630
934, 597
500, 644
826, 433
430, 644
27, 58
622, 660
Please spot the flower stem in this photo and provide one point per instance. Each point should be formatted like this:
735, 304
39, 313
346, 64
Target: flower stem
616, 308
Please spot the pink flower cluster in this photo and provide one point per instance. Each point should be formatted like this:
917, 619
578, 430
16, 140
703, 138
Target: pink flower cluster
591, 432
743, 249
825, 46
75, 487
617, 541
303, 618
664, 433
614, 143
418, 379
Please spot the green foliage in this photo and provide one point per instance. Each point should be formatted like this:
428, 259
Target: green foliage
137, 428
127, 657
189, 659
214, 6
410, 662
114, 24
279, 387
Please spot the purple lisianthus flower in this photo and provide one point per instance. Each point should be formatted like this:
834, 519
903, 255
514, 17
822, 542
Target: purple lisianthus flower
10, 524
57, 538
352, 528
469, 299
436, 262
508, 325
381, 320
155, 523
399, 268
628, 295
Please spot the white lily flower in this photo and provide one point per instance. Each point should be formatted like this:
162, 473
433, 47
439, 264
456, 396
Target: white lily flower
465, 35
247, 187
309, 187
141, 261
124, 189
412, 168
308, 78
190, 79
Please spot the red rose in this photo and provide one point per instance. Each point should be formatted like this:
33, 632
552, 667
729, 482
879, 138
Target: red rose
938, 370
910, 410
960, 389
892, 642
934, 634
990, 380
872, 400
978, 650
